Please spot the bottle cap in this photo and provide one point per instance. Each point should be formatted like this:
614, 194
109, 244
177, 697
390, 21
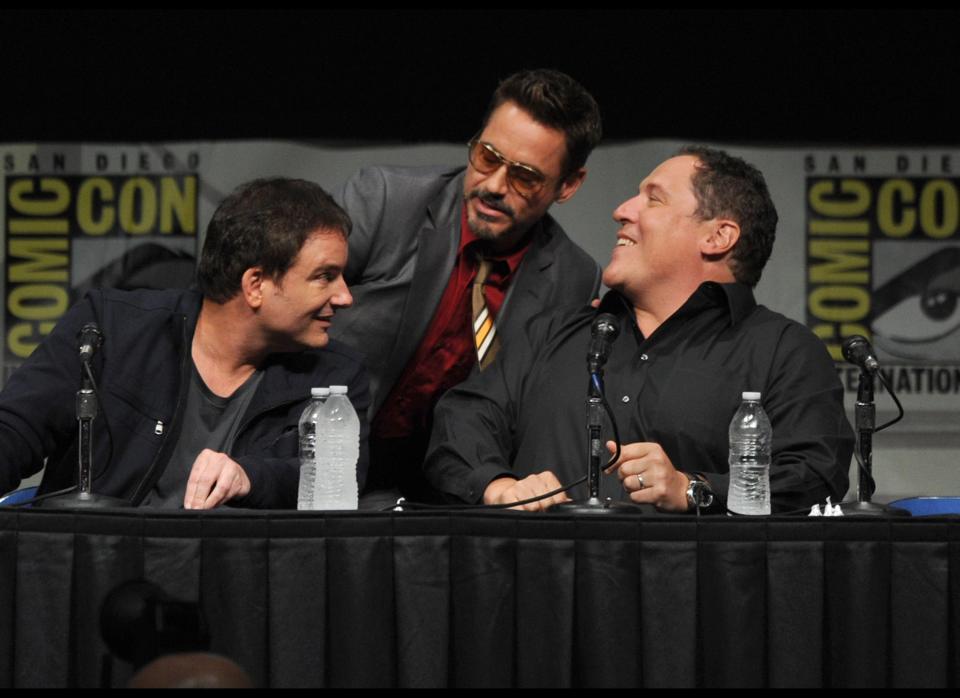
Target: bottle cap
338, 390
319, 392
750, 396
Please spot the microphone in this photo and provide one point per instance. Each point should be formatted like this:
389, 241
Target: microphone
604, 331
90, 339
857, 350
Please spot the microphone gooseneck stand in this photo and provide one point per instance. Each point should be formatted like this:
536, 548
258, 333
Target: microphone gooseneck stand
593, 504
857, 350
87, 410
605, 330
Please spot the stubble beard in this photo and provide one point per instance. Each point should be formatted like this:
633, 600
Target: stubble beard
483, 230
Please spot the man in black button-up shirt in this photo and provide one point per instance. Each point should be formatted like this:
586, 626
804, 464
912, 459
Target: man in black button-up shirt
691, 246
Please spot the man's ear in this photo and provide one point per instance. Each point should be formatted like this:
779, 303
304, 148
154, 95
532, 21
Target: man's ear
724, 234
251, 287
569, 186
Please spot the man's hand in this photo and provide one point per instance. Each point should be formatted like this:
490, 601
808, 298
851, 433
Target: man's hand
505, 490
214, 479
646, 472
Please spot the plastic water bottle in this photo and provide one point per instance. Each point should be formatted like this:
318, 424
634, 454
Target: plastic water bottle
338, 449
750, 438
308, 440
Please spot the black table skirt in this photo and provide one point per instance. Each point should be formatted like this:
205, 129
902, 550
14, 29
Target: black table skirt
498, 599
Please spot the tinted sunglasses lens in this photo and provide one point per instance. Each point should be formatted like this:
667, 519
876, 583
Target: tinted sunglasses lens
483, 159
524, 181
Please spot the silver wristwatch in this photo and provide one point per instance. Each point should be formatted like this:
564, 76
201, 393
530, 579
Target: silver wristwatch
699, 494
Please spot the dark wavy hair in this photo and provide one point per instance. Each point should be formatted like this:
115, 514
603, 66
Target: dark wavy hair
263, 223
555, 100
731, 187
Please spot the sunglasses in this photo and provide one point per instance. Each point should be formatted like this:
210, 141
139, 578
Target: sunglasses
525, 180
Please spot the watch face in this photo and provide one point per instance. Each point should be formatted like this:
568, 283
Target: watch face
699, 494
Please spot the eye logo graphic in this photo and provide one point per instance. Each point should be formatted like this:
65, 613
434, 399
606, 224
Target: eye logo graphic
883, 260
916, 313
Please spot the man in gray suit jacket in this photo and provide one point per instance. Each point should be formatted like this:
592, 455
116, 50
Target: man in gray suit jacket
447, 263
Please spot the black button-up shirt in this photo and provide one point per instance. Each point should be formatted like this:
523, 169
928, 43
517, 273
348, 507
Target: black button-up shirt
679, 387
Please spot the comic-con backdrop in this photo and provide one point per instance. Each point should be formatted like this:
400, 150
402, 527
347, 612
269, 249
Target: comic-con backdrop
867, 244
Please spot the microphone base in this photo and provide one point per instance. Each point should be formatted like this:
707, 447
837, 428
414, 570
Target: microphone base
870, 509
598, 507
82, 500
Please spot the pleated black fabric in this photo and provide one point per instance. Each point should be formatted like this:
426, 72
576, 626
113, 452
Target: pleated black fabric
496, 599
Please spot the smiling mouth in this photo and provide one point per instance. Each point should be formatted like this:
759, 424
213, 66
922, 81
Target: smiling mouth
624, 242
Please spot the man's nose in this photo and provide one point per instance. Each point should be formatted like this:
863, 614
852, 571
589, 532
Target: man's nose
342, 298
497, 182
625, 212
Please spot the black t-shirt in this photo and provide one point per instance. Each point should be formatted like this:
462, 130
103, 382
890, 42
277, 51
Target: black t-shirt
209, 421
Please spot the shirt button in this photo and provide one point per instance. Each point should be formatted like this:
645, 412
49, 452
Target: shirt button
643, 357
626, 398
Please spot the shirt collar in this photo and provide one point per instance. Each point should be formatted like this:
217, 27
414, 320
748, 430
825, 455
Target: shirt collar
737, 298
740, 300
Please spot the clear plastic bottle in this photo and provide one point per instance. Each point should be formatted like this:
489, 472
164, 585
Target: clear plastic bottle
308, 441
751, 437
337, 453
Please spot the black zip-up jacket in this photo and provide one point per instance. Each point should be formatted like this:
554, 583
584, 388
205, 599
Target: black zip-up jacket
141, 369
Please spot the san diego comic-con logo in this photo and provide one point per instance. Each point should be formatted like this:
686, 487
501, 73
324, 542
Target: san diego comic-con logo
883, 260
66, 234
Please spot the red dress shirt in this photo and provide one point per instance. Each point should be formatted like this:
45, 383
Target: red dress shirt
446, 355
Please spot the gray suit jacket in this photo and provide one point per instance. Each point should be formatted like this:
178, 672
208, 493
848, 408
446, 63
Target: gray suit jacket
406, 231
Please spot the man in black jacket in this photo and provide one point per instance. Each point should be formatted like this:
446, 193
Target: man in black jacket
200, 393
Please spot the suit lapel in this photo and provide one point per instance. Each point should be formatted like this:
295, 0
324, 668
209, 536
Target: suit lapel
526, 295
438, 241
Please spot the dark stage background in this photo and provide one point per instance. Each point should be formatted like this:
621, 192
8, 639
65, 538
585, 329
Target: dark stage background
852, 77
